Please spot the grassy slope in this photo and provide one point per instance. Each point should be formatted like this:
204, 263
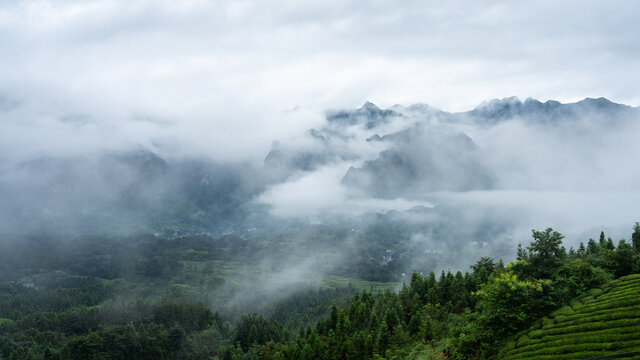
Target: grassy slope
604, 322
238, 275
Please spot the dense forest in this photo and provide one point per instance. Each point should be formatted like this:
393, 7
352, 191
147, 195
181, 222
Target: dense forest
115, 299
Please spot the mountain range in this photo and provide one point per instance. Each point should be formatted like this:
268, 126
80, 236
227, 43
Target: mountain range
404, 152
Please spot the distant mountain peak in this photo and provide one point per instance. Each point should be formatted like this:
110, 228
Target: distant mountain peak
497, 103
369, 106
550, 111
515, 101
368, 115
600, 99
599, 102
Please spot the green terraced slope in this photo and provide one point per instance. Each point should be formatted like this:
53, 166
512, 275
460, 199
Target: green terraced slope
604, 322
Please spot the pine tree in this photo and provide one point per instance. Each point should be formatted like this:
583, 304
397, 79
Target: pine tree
333, 319
369, 347
483, 269
430, 285
426, 329
610, 245
414, 324
406, 301
382, 340
306, 353
416, 281
581, 250
635, 237
592, 247
521, 254
458, 292
374, 322
602, 240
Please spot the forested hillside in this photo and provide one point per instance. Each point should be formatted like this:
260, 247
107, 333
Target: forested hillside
468, 316
66, 309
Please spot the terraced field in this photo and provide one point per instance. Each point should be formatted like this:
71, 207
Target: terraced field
604, 322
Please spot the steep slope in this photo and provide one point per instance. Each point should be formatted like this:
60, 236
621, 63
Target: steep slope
604, 322
410, 152
341, 138
420, 160
126, 191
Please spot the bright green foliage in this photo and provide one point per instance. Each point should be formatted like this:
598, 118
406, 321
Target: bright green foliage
624, 260
508, 303
576, 277
470, 316
545, 253
604, 324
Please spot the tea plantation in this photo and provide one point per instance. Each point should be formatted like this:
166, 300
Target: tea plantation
603, 322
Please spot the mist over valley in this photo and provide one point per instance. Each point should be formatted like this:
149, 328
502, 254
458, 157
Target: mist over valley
409, 188
326, 180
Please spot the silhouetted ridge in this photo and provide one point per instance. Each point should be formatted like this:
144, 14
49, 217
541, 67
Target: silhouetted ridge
369, 115
496, 110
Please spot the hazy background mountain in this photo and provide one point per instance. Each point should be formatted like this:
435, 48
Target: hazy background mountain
451, 184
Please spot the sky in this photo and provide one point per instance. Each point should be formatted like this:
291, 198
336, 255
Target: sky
232, 76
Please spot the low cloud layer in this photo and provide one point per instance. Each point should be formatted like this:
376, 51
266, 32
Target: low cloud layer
320, 194
569, 166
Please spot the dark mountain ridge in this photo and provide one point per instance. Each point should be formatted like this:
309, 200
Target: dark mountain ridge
531, 109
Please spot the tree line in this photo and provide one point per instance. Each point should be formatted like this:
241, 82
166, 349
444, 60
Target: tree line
457, 315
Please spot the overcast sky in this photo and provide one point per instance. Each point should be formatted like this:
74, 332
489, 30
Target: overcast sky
212, 71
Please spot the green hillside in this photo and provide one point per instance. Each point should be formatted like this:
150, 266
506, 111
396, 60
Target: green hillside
603, 322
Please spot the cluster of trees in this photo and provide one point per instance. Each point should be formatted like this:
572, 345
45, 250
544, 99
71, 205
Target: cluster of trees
462, 316
76, 320
76, 314
114, 298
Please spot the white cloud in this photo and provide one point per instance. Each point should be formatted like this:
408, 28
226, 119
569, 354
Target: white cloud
578, 215
319, 194
223, 72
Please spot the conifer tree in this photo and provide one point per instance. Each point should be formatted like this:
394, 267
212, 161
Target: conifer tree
635, 237
382, 339
609, 244
581, 250
592, 247
521, 254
